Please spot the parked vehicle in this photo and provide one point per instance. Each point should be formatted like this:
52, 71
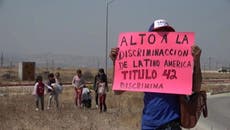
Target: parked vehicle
224, 69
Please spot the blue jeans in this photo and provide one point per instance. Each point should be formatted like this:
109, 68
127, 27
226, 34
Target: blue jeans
173, 125
41, 99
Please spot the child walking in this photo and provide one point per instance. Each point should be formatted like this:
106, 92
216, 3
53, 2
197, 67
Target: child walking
102, 89
58, 83
86, 97
39, 89
53, 93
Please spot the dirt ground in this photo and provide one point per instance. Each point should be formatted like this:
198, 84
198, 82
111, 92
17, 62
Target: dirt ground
17, 112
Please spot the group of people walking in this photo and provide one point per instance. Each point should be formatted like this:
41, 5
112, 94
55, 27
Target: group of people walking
82, 93
54, 88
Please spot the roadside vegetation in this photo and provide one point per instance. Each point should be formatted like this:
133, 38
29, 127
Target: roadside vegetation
17, 109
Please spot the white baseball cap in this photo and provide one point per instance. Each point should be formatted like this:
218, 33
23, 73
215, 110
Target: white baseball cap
159, 24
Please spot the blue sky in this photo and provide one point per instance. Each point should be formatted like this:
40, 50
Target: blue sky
77, 27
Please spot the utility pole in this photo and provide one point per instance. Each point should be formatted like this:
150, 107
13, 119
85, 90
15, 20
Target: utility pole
106, 36
209, 63
47, 65
98, 63
217, 65
204, 67
53, 65
2, 60
107, 33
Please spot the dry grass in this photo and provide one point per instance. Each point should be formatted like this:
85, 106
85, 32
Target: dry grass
18, 112
215, 75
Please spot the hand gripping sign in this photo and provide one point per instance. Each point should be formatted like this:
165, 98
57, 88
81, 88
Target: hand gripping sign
154, 62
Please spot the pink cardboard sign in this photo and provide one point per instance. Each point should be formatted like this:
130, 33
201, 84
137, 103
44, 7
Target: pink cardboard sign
154, 62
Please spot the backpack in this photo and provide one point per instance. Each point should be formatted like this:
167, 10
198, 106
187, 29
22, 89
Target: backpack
59, 88
40, 89
191, 106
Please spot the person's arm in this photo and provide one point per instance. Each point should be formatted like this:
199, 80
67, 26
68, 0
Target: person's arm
81, 83
35, 89
197, 75
95, 83
59, 80
106, 83
73, 81
113, 56
49, 87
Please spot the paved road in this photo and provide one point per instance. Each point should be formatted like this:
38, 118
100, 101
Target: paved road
219, 113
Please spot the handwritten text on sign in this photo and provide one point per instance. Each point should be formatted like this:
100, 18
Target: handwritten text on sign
154, 62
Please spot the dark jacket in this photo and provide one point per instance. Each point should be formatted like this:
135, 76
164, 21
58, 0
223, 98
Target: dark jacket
99, 77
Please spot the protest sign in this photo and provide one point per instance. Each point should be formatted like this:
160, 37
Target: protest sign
154, 62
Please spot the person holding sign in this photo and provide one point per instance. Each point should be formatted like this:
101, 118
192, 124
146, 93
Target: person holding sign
161, 110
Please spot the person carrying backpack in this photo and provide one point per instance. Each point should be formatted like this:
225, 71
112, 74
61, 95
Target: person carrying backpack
39, 90
162, 111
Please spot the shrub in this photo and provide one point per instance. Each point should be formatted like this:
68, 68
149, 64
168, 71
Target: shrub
88, 76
